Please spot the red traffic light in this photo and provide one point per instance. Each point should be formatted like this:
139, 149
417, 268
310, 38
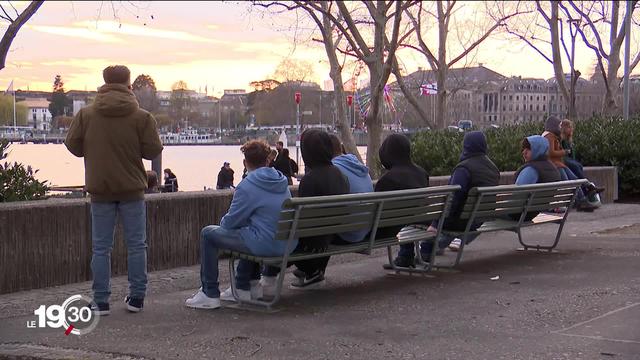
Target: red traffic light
297, 97
349, 100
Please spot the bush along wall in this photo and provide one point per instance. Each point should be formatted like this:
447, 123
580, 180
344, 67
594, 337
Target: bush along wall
17, 181
598, 142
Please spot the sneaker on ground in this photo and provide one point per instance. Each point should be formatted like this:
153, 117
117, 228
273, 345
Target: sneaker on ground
268, 285
308, 282
100, 309
227, 295
200, 300
134, 304
455, 244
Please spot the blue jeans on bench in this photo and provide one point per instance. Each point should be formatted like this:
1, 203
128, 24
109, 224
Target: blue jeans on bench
212, 238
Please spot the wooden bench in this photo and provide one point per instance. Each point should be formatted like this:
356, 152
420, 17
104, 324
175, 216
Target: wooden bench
324, 215
497, 206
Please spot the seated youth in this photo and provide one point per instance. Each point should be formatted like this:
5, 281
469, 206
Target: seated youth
249, 226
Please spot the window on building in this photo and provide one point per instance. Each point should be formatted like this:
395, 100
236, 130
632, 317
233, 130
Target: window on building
517, 97
537, 107
517, 107
530, 107
544, 107
510, 97
537, 98
544, 98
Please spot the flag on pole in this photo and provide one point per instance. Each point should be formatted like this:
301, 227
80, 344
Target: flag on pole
428, 89
10, 89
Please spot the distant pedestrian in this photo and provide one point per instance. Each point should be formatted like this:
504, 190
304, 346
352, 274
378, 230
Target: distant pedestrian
113, 135
170, 181
283, 164
225, 177
152, 182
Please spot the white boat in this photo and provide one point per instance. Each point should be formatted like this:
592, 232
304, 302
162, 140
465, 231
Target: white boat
189, 136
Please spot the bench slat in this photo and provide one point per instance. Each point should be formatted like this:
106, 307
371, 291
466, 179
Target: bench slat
423, 201
364, 218
333, 210
387, 214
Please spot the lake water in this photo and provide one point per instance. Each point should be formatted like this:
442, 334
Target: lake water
196, 167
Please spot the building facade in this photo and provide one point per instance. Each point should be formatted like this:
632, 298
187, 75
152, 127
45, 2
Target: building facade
38, 115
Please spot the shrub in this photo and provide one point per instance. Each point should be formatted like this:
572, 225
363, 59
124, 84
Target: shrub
598, 141
17, 182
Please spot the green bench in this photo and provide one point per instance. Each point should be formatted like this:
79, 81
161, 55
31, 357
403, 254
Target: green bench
324, 215
497, 206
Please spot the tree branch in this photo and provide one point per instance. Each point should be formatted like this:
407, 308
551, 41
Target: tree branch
14, 27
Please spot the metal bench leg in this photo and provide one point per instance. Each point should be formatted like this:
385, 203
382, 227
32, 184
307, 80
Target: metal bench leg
262, 303
424, 271
539, 247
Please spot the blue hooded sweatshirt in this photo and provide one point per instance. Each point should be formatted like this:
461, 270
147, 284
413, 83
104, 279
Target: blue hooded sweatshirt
255, 210
539, 150
359, 182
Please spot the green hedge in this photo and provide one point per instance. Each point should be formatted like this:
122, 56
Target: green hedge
598, 142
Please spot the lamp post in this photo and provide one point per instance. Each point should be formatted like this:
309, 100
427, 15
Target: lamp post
349, 103
627, 49
297, 97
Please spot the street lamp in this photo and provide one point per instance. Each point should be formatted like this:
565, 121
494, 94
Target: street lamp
297, 97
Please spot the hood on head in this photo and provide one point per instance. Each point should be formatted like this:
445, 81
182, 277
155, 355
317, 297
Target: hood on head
552, 125
316, 148
268, 179
395, 150
115, 100
474, 143
351, 163
539, 147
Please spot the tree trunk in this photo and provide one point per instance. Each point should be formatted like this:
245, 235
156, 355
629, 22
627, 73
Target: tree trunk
343, 123
557, 55
441, 71
374, 121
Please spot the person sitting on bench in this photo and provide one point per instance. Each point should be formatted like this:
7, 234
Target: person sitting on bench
402, 174
537, 167
474, 169
249, 226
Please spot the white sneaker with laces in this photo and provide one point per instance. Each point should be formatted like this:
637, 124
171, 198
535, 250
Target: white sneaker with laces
200, 300
268, 285
455, 244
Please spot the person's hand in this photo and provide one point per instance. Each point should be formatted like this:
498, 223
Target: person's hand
567, 152
432, 229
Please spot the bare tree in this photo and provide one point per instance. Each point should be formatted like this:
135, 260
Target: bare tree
15, 23
439, 60
357, 23
601, 19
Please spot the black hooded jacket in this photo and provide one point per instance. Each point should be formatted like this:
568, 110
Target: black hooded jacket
402, 173
321, 178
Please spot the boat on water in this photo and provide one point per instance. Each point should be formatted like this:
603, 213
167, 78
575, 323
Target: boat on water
189, 136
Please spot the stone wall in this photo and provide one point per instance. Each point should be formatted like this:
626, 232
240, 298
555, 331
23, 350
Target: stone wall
47, 243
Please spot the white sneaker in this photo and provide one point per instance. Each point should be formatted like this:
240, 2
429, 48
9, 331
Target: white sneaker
200, 300
455, 245
254, 294
268, 285
227, 295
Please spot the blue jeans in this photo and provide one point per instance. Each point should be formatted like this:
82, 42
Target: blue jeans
133, 215
567, 174
212, 238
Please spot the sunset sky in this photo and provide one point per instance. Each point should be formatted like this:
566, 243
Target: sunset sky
221, 45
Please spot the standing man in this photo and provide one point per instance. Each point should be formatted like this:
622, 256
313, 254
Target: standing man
113, 135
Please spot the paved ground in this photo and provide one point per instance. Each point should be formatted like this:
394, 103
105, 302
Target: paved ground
582, 302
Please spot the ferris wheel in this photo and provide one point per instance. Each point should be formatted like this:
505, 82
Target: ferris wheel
391, 113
